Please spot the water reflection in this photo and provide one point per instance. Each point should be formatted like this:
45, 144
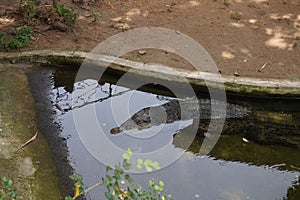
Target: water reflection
233, 170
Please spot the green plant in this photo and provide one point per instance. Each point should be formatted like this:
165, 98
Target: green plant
69, 15
252, 5
292, 78
6, 190
2, 35
95, 15
72, 48
236, 16
261, 12
137, 58
119, 185
30, 7
226, 3
170, 6
20, 37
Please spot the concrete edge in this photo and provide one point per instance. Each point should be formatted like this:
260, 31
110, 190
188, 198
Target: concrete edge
246, 86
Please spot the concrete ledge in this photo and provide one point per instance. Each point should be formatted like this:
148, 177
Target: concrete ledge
234, 85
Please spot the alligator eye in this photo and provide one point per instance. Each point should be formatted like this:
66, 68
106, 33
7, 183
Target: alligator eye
115, 130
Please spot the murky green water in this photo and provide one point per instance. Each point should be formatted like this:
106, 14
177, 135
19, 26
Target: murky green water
234, 169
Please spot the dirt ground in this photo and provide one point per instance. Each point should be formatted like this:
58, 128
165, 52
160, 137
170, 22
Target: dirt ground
240, 35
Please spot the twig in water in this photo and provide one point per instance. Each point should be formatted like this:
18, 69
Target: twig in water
26, 143
59, 107
295, 167
277, 165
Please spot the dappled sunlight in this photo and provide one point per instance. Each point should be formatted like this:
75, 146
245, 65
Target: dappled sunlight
227, 55
229, 52
193, 3
259, 1
245, 51
297, 23
252, 21
237, 25
123, 22
133, 12
269, 31
145, 13
283, 38
116, 19
233, 1
277, 42
5, 21
277, 16
279, 38
294, 2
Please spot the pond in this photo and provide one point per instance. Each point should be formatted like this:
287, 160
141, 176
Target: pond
256, 156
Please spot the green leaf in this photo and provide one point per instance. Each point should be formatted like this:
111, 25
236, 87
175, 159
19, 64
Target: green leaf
151, 183
148, 168
155, 165
139, 164
166, 197
158, 188
143, 194
161, 183
126, 164
126, 156
116, 188
131, 194
74, 177
108, 169
108, 177
148, 165
129, 179
129, 151
4, 181
139, 188
109, 196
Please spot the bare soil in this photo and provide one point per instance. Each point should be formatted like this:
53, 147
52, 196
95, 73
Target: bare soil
241, 36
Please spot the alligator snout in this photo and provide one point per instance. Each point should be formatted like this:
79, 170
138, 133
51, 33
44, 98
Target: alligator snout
115, 130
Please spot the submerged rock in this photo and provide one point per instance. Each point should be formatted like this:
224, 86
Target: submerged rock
25, 167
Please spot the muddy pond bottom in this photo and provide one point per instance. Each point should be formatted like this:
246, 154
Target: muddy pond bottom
99, 120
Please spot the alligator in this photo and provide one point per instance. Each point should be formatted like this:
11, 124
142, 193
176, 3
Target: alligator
175, 110
237, 117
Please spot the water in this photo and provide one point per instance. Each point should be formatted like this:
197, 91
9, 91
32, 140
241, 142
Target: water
233, 169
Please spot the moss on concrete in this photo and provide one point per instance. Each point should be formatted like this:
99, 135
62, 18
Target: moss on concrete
31, 169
